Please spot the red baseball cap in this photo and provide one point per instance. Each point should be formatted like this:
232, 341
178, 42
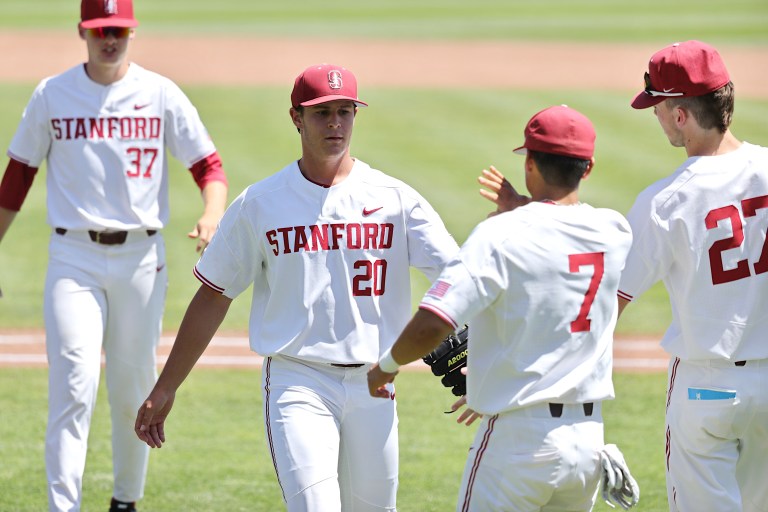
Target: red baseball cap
682, 70
324, 83
107, 13
560, 130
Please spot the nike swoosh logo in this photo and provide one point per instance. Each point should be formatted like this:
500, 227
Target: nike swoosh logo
139, 107
669, 90
367, 212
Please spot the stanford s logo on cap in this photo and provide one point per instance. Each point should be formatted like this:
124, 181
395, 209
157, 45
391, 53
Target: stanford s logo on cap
323, 83
334, 79
107, 13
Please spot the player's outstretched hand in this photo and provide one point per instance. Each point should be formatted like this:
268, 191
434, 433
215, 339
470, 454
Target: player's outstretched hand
500, 191
377, 382
150, 420
204, 230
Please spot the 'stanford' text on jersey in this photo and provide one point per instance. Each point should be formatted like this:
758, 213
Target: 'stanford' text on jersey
330, 237
330, 267
97, 128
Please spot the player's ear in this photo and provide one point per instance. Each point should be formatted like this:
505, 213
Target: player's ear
590, 165
296, 118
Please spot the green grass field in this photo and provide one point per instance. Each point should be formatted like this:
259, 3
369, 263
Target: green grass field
216, 458
436, 140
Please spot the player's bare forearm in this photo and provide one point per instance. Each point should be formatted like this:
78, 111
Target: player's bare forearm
204, 315
500, 191
214, 203
422, 334
6, 219
622, 304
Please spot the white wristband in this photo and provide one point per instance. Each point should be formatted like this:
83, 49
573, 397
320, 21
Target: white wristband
387, 363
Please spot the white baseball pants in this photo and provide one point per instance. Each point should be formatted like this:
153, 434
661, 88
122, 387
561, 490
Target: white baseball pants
334, 447
100, 297
527, 460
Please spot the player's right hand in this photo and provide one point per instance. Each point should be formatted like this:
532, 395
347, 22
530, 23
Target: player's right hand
500, 191
150, 420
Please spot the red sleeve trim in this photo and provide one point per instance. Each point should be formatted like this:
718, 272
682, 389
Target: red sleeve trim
625, 296
207, 282
208, 169
443, 316
16, 183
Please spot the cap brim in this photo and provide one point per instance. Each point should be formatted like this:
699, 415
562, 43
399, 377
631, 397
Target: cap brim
108, 22
326, 99
522, 150
645, 100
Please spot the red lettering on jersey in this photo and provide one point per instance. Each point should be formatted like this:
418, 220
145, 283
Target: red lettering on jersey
371, 235
317, 236
354, 236
80, 132
300, 239
336, 231
286, 245
154, 125
125, 128
67, 124
111, 126
330, 237
387, 232
141, 128
56, 125
97, 128
271, 239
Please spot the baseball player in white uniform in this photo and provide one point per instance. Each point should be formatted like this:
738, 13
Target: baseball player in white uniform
327, 243
104, 128
537, 287
702, 231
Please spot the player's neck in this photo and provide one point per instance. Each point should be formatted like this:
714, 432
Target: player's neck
106, 74
712, 143
558, 197
326, 171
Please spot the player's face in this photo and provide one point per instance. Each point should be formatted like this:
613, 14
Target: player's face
327, 128
666, 118
107, 46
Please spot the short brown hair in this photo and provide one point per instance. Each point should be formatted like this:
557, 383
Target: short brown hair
713, 110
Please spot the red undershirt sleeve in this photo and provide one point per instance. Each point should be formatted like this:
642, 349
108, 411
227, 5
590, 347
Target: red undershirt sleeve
208, 169
16, 183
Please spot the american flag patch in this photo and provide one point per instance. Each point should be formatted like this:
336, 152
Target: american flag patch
439, 289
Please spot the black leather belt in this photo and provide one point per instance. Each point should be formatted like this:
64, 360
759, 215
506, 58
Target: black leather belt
556, 410
107, 237
353, 365
740, 363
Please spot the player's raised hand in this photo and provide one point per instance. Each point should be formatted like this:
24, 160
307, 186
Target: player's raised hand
150, 420
377, 382
500, 191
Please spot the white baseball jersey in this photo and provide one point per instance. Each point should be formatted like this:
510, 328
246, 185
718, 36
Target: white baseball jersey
104, 145
329, 266
537, 286
702, 230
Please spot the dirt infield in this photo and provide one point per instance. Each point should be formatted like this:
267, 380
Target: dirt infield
221, 60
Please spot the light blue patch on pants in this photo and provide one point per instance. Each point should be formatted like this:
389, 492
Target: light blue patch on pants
709, 394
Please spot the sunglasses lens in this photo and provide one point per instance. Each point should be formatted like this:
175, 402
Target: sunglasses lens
647, 82
102, 32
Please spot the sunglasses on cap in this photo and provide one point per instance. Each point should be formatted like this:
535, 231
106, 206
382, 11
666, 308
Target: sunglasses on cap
649, 88
103, 32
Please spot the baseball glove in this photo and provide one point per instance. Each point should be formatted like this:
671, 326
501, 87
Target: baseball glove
448, 359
